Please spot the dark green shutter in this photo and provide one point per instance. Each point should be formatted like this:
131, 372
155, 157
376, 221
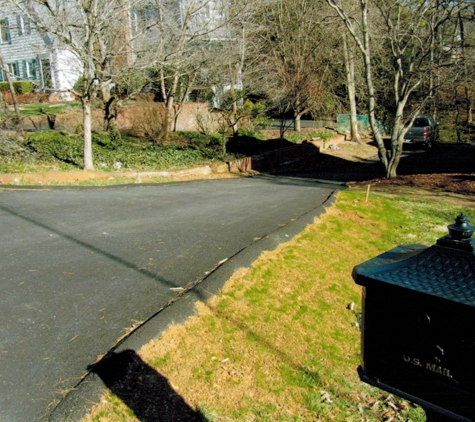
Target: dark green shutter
7, 31
33, 73
19, 25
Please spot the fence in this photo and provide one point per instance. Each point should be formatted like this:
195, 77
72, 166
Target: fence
343, 123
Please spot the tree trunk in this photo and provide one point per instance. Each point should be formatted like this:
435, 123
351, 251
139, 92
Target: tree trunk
397, 139
457, 123
178, 106
298, 123
396, 151
466, 81
169, 104
364, 46
468, 102
110, 111
87, 123
17, 119
233, 115
382, 153
434, 73
168, 120
6, 109
110, 117
350, 77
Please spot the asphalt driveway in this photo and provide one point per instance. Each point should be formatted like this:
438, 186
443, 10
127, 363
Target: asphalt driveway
80, 268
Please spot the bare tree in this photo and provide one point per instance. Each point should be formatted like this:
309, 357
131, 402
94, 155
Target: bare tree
295, 49
17, 115
409, 29
350, 78
464, 54
185, 40
94, 34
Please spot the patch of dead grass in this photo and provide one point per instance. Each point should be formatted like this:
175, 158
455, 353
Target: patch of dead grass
279, 342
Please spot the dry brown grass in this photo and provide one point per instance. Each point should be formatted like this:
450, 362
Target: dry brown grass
279, 343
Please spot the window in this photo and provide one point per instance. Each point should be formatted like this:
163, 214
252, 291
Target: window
421, 122
14, 70
4, 31
29, 69
23, 25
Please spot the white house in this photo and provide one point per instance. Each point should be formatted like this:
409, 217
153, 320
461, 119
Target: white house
32, 55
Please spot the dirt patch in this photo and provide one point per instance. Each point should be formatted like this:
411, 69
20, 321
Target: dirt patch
449, 168
461, 184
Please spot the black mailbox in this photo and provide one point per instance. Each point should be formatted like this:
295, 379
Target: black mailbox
418, 323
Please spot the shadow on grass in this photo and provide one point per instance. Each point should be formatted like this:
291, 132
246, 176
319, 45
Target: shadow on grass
146, 392
305, 161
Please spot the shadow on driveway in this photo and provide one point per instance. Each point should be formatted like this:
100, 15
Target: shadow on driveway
146, 392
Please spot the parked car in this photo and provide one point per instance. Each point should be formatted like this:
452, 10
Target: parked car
424, 130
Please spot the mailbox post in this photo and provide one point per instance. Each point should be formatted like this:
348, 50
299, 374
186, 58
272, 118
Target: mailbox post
418, 323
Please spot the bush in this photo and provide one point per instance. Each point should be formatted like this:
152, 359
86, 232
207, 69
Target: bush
200, 140
20, 87
203, 95
79, 85
251, 133
256, 113
206, 122
150, 119
324, 135
155, 156
11, 150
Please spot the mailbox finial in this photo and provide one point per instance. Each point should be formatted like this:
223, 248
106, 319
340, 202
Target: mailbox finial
461, 230
459, 236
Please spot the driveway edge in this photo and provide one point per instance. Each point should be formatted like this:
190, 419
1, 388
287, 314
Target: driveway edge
79, 401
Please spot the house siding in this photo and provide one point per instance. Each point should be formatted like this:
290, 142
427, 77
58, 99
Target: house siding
33, 54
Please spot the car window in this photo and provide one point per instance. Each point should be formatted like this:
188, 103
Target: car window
421, 121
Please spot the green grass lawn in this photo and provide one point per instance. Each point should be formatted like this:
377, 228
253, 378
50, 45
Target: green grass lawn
27, 110
281, 341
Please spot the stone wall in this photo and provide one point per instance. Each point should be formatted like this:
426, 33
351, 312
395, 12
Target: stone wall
130, 115
127, 118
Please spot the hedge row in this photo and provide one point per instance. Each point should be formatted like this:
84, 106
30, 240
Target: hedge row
21, 87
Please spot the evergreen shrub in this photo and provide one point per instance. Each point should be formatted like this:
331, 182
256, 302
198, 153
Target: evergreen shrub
20, 87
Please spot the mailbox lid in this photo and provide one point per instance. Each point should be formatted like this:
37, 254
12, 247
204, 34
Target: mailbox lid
439, 271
